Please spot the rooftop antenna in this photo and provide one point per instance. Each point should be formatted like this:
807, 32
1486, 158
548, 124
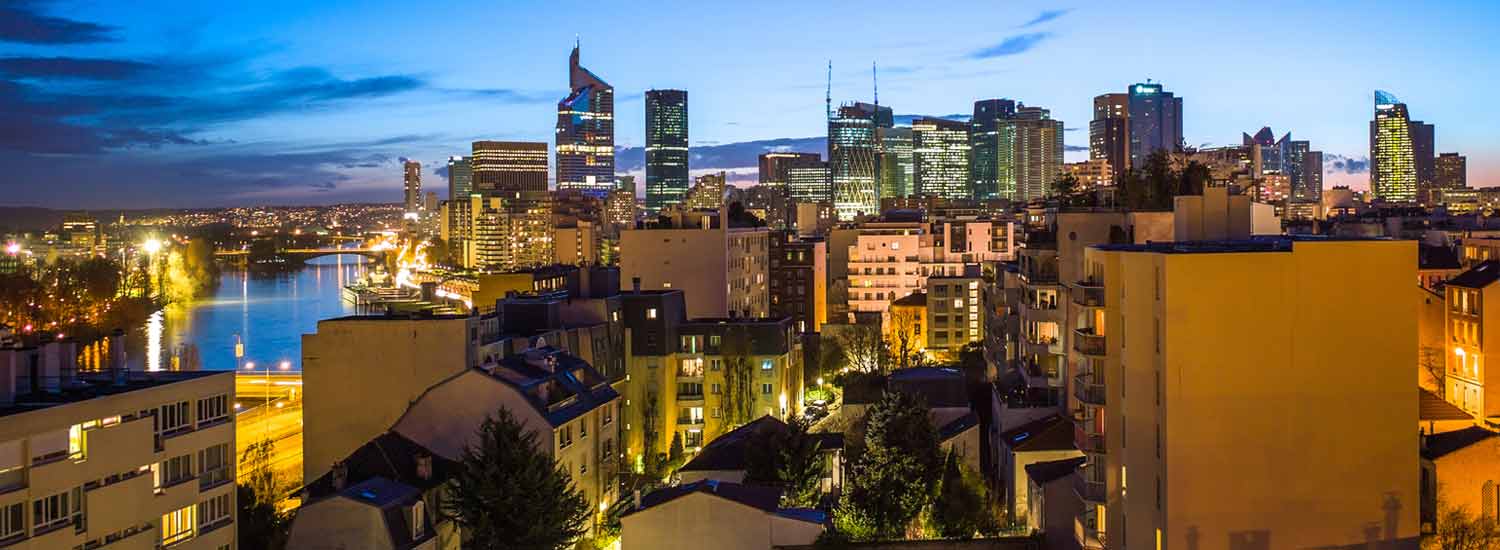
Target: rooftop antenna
828, 94
576, 41
875, 81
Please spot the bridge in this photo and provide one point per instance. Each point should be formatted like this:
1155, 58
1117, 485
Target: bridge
304, 254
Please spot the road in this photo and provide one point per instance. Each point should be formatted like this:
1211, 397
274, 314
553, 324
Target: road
271, 411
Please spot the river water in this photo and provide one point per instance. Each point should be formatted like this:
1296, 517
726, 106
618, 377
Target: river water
268, 313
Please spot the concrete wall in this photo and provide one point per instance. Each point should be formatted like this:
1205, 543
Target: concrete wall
700, 520
337, 523
1462, 474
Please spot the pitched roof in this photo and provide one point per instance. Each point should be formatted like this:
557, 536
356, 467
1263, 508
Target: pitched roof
939, 386
1479, 276
1053, 433
558, 385
727, 452
389, 456
1053, 470
957, 426
391, 498
1440, 445
755, 496
1431, 407
917, 298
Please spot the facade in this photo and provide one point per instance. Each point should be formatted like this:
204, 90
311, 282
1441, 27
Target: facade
940, 156
984, 146
720, 265
1393, 162
809, 184
586, 132
893, 256
619, 210
1092, 173
666, 148
775, 168
1424, 155
718, 514
1291, 485
954, 313
508, 166
460, 177
799, 280
576, 243
1452, 171
1109, 132
120, 458
897, 169
1472, 299
707, 192
1312, 179
511, 231
412, 176
1155, 122
852, 149
1031, 154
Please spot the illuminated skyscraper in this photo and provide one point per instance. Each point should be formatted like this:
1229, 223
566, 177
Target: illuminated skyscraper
1423, 157
1154, 122
984, 145
413, 185
809, 183
586, 132
895, 168
940, 154
775, 168
1452, 171
1035, 144
666, 148
1109, 137
508, 166
851, 161
460, 178
1393, 168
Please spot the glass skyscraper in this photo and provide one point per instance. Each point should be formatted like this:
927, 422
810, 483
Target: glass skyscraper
460, 178
897, 170
984, 146
851, 162
1393, 168
940, 153
666, 148
586, 133
1154, 122
1108, 132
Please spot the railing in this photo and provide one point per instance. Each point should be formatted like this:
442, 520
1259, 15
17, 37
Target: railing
1088, 343
1088, 390
689, 421
1086, 531
1088, 490
1087, 441
1088, 294
213, 478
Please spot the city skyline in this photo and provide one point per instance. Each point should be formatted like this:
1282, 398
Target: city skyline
188, 106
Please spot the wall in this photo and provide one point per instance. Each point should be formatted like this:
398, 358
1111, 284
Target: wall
692, 260
699, 520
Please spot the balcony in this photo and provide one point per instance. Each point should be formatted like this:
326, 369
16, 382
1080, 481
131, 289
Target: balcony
1088, 294
1086, 531
1088, 389
689, 421
1088, 442
1085, 341
1088, 490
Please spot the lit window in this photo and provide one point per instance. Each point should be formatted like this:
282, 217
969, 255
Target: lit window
767, 364
177, 526
651, 313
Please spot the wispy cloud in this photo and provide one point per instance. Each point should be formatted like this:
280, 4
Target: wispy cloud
1335, 163
1012, 45
70, 68
1044, 17
21, 21
1075, 148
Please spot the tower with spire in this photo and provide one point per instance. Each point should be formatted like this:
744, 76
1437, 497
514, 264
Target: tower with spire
585, 146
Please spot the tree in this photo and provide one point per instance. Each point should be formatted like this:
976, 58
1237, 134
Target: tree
791, 459
907, 350
961, 507
1072, 192
738, 400
865, 350
261, 525
650, 433
889, 482
509, 494
1431, 360
831, 357
675, 456
1457, 530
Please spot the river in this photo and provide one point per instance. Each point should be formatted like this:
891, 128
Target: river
268, 313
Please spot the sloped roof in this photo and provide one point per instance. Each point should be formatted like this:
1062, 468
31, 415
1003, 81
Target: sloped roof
1436, 257
727, 452
570, 388
1430, 407
957, 426
1053, 470
1478, 276
1440, 445
389, 456
755, 496
1053, 433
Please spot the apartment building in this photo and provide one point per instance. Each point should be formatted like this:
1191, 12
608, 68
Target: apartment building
893, 255
1185, 398
799, 280
954, 313
719, 262
676, 371
113, 458
1472, 298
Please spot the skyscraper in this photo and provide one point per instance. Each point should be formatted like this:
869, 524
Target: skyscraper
940, 154
586, 132
1452, 171
897, 169
1423, 155
851, 161
508, 166
1311, 184
1154, 122
1109, 137
984, 145
1033, 143
775, 168
1393, 169
809, 183
460, 178
666, 148
413, 185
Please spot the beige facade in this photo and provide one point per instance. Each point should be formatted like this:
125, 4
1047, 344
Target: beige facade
705, 520
722, 271
891, 258
1204, 337
142, 461
359, 374
576, 245
1473, 303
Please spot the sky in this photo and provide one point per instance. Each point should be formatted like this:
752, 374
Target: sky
188, 104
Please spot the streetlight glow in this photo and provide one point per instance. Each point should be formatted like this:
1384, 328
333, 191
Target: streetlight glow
13, 248
151, 246
285, 365
250, 365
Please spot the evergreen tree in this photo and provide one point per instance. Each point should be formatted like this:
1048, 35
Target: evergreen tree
675, 456
961, 508
508, 494
261, 526
888, 485
739, 385
790, 459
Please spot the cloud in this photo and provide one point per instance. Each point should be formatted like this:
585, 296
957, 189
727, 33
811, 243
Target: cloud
1074, 148
726, 156
1335, 163
1075, 129
1044, 17
906, 120
70, 68
1012, 45
21, 22
506, 95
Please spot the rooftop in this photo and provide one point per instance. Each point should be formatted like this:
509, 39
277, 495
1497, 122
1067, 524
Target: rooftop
560, 386
1053, 433
390, 456
763, 498
1431, 407
1270, 243
1436, 257
1479, 276
1439, 445
727, 452
83, 386
1046, 472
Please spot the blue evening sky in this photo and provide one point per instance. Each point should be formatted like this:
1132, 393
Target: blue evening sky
138, 104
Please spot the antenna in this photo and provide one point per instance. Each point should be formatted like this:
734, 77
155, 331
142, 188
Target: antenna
875, 80
828, 95
576, 41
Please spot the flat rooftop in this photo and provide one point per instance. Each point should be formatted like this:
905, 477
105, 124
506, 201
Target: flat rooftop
1269, 243
91, 385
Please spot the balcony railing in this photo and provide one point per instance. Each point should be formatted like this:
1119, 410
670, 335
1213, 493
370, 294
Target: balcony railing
1088, 490
1087, 441
1086, 531
1088, 294
1088, 343
1088, 389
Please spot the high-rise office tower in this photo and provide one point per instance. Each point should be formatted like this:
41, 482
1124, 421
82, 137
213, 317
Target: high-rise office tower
1312, 178
1109, 131
413, 184
1423, 154
666, 148
984, 145
1393, 168
1154, 122
586, 132
508, 166
1035, 141
897, 169
809, 183
1452, 171
883, 115
940, 154
775, 168
851, 161
460, 177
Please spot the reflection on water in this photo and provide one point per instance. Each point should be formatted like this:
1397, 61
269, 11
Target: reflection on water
270, 313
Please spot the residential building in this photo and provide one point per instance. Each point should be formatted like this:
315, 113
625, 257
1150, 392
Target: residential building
512, 230
1460, 469
985, 153
1109, 132
666, 148
718, 261
114, 457
1154, 122
724, 459
799, 280
619, 211
852, 149
1043, 440
1053, 502
954, 313
1472, 298
388, 494
412, 177
718, 514
948, 407
586, 132
940, 156
1092, 173
893, 255
769, 204
897, 165
707, 192
1451, 171
1393, 162
576, 244
1290, 485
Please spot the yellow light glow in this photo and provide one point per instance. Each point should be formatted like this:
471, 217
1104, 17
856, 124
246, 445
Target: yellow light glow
151, 246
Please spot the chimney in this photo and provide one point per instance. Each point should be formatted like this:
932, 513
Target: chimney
635, 284
340, 475
424, 466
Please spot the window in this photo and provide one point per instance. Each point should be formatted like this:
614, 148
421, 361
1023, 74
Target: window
76, 447
213, 409
716, 389
583, 468
418, 519
214, 466
765, 389
767, 364
177, 526
651, 313
583, 429
172, 419
608, 414
213, 511
565, 437
13, 520
689, 389
56, 510
713, 341
173, 471
694, 439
